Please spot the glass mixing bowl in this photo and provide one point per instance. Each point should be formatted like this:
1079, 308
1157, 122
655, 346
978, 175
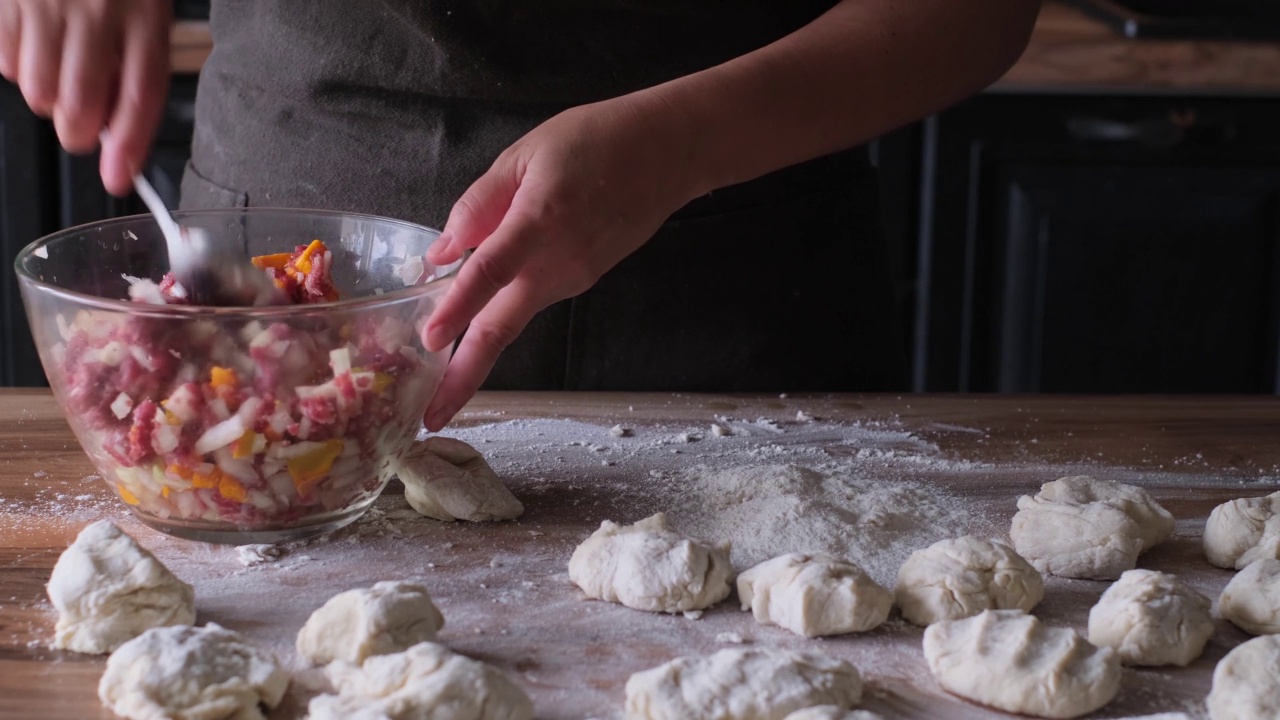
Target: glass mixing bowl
240, 425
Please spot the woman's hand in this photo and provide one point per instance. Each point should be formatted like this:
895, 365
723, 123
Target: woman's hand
557, 209
91, 64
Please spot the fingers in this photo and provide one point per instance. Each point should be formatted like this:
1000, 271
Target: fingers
83, 88
40, 57
490, 269
10, 39
477, 213
496, 327
144, 84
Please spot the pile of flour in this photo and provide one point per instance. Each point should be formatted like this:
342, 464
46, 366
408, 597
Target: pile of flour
765, 510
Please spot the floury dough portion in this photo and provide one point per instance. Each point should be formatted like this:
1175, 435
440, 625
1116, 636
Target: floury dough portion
1246, 683
108, 590
1010, 661
1251, 601
646, 566
831, 712
425, 682
449, 480
1079, 527
1151, 618
959, 578
1244, 530
191, 673
813, 595
386, 618
741, 684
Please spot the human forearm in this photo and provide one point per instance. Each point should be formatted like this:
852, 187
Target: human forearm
862, 69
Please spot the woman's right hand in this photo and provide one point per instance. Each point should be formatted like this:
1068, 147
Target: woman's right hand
90, 64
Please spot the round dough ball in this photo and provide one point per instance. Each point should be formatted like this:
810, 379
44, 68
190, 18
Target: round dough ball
741, 684
427, 681
646, 566
449, 480
813, 595
1251, 601
357, 624
191, 672
954, 579
108, 590
1079, 527
1246, 683
831, 712
1151, 618
1010, 661
1241, 531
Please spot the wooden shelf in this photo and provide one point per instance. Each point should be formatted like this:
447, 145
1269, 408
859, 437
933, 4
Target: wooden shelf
190, 45
1069, 52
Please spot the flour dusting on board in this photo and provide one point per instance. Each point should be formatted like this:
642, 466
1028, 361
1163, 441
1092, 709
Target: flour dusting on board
767, 487
868, 491
769, 509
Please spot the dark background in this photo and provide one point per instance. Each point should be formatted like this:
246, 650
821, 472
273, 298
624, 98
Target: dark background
1041, 243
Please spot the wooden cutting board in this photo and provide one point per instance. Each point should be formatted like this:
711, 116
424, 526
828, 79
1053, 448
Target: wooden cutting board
503, 587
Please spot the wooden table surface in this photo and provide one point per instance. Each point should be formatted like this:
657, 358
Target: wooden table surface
502, 586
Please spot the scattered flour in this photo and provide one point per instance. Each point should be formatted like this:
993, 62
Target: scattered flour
765, 510
251, 555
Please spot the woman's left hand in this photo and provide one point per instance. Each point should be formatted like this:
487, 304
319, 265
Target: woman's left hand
557, 209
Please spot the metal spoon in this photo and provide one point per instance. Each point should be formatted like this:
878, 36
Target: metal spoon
212, 273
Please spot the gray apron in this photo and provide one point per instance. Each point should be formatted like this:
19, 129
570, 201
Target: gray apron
393, 107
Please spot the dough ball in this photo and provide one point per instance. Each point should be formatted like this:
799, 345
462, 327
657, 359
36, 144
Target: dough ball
108, 590
831, 712
1241, 531
205, 672
1251, 601
425, 682
1078, 527
954, 579
1010, 661
1151, 618
741, 684
356, 624
813, 595
449, 480
1246, 683
646, 566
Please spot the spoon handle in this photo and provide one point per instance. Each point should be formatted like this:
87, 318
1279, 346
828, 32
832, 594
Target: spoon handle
153, 202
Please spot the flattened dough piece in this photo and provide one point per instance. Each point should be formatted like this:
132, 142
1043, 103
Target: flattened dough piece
1010, 661
353, 625
646, 566
108, 590
1151, 618
205, 672
959, 578
813, 595
1079, 527
1246, 683
425, 682
449, 480
741, 684
831, 712
1251, 601
1241, 531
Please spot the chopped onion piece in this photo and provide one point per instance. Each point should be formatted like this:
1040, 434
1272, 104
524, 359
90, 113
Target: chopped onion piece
122, 406
340, 360
220, 435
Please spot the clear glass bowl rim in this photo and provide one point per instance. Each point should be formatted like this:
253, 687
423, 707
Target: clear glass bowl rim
410, 293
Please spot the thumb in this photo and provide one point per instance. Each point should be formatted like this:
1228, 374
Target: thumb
477, 213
